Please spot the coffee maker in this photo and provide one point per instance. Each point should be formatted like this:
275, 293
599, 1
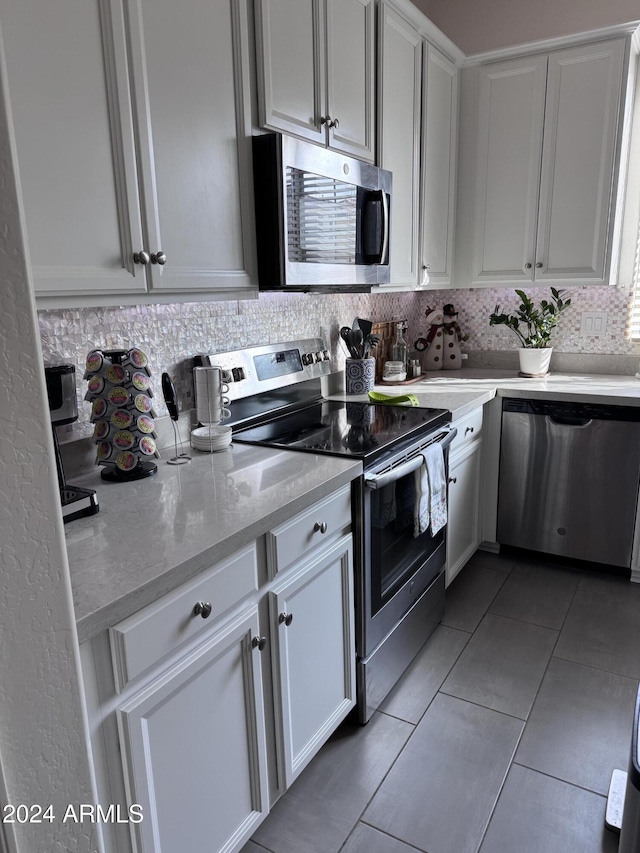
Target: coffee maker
63, 405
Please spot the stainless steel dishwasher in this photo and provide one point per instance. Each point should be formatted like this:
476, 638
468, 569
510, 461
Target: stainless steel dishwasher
569, 476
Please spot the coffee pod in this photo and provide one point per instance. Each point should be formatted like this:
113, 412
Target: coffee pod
143, 403
141, 382
124, 439
101, 430
145, 424
122, 419
94, 361
126, 461
116, 374
147, 446
95, 386
104, 451
137, 360
99, 409
118, 395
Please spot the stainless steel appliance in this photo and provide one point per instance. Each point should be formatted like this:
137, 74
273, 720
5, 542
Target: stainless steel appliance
63, 406
322, 219
276, 401
569, 475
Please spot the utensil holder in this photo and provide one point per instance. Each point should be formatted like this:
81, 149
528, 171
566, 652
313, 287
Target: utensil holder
360, 374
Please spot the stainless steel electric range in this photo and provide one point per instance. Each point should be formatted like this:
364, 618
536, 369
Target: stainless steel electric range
276, 400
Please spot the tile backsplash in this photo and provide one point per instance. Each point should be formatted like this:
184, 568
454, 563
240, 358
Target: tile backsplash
171, 335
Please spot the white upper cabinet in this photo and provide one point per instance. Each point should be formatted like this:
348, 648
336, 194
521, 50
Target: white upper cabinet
316, 71
439, 164
132, 126
399, 115
417, 120
545, 166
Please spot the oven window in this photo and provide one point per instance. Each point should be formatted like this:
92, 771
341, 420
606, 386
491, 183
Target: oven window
396, 554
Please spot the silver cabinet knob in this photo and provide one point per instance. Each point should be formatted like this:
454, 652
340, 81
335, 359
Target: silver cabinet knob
320, 527
158, 258
141, 258
527, 266
286, 618
202, 608
259, 643
325, 120
426, 266
468, 429
539, 265
334, 125
453, 479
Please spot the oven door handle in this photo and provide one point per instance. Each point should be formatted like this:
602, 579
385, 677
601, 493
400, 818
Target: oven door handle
379, 481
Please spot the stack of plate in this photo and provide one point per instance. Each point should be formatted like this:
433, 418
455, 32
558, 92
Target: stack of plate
211, 438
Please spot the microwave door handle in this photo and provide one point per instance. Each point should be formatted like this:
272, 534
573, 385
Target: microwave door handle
385, 226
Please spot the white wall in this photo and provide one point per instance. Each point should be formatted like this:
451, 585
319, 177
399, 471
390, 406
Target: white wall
42, 728
480, 25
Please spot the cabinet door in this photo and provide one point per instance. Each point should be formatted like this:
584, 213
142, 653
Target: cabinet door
400, 133
313, 655
351, 76
463, 526
193, 747
190, 80
578, 188
509, 116
440, 142
291, 66
67, 72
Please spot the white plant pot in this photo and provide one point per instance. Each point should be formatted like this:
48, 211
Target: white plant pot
535, 361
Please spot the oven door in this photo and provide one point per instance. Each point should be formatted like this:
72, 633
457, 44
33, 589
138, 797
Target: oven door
396, 566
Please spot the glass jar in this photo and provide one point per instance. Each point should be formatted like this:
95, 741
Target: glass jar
399, 348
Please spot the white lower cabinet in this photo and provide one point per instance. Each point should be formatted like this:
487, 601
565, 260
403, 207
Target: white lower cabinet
463, 527
206, 704
313, 654
193, 747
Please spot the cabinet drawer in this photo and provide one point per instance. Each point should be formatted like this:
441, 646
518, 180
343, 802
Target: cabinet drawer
310, 528
142, 640
469, 427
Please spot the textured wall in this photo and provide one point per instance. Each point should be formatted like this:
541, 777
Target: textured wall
480, 25
172, 334
42, 733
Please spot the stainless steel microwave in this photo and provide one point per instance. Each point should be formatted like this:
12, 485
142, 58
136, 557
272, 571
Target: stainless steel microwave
322, 219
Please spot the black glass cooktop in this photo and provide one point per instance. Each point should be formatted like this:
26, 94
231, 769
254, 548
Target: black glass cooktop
359, 430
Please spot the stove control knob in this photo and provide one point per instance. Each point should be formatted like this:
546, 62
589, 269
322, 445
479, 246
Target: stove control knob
237, 373
308, 358
318, 356
303, 358
326, 355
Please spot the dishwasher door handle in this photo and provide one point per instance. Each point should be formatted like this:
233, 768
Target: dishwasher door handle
567, 420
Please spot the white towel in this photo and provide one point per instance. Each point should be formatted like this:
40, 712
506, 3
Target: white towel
430, 510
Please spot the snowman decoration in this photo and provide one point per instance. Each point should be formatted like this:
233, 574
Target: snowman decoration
433, 343
453, 337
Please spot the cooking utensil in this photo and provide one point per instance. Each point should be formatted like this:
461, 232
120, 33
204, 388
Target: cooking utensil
357, 342
171, 401
345, 334
370, 342
365, 325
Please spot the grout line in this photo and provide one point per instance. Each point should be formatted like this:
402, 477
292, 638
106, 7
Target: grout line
559, 779
394, 837
598, 668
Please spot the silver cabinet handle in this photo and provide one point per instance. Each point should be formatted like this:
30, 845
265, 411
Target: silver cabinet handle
158, 258
527, 266
468, 429
334, 125
320, 526
286, 618
202, 608
453, 479
141, 258
426, 266
539, 265
259, 643
325, 120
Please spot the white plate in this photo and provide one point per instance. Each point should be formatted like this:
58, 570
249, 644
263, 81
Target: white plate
214, 431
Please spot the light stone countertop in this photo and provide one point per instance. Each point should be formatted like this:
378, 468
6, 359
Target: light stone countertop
151, 535
462, 391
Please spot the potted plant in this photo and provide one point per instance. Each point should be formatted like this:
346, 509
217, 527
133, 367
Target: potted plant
533, 326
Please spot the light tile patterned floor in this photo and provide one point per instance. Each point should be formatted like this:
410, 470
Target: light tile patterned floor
500, 738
